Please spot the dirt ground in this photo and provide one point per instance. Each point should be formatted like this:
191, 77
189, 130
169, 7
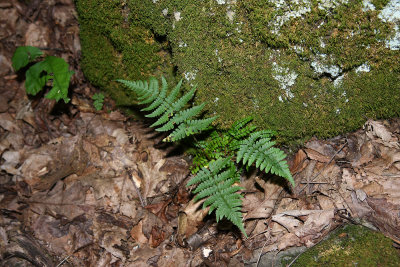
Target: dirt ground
80, 187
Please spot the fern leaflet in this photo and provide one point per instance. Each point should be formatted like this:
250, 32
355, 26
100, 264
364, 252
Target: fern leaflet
221, 143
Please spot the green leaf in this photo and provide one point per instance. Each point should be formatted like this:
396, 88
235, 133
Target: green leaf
98, 101
23, 55
52, 68
35, 78
57, 70
258, 147
216, 183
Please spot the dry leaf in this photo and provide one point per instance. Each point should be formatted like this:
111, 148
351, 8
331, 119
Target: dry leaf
137, 234
376, 128
314, 155
298, 163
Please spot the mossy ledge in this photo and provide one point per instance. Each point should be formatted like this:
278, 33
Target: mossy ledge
351, 245
303, 68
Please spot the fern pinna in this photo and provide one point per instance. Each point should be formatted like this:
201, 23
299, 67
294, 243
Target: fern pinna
169, 108
258, 148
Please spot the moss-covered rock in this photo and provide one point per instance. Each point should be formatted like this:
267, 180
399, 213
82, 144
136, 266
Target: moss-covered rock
350, 246
116, 45
301, 67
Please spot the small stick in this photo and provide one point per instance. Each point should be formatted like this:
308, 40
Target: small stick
143, 201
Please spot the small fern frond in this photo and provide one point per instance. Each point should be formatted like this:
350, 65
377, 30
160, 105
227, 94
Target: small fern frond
139, 87
259, 148
174, 93
216, 183
169, 108
241, 129
157, 97
181, 102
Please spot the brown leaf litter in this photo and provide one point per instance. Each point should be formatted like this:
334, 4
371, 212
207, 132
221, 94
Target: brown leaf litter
89, 188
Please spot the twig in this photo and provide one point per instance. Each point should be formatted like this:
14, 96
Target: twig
259, 256
143, 202
64, 260
314, 183
290, 264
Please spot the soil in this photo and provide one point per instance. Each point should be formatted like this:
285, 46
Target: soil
81, 187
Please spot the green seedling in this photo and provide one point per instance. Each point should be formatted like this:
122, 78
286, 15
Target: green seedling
51, 69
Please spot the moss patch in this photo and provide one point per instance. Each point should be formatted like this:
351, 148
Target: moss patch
351, 246
116, 45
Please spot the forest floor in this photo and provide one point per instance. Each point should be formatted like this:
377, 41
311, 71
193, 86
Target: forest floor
80, 187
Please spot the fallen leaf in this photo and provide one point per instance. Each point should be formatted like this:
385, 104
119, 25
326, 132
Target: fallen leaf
137, 234
314, 155
376, 128
156, 237
298, 163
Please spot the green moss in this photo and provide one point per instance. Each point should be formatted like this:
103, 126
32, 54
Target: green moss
380, 4
114, 48
351, 246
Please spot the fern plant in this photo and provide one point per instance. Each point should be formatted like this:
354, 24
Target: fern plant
169, 108
98, 101
219, 159
236, 147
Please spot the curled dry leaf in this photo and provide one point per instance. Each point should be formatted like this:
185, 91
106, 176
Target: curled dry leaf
261, 207
314, 155
298, 163
376, 128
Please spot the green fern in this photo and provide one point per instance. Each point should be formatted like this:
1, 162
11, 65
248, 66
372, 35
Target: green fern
169, 108
216, 183
217, 159
214, 154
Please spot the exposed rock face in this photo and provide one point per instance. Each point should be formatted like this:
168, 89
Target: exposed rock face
300, 67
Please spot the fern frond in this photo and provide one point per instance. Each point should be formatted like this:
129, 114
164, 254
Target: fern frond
221, 143
152, 92
139, 87
169, 108
259, 148
238, 129
181, 102
216, 183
